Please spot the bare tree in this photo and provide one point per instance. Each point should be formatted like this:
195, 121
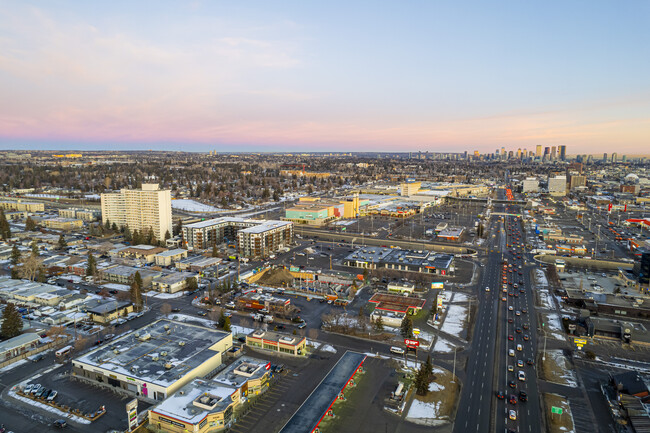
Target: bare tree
165, 309
313, 334
30, 267
55, 332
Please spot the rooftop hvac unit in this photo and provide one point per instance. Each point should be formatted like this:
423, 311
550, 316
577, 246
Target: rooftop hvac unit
163, 353
181, 343
168, 366
155, 358
144, 337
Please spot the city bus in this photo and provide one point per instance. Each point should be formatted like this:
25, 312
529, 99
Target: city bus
63, 351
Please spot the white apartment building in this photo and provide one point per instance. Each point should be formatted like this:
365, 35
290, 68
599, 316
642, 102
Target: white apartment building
530, 184
140, 209
557, 185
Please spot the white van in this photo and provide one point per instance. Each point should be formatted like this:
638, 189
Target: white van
397, 350
511, 352
519, 347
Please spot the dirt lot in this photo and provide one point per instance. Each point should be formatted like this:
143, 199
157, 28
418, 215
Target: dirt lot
558, 423
276, 277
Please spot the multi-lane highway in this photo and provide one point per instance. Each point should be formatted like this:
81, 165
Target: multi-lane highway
504, 321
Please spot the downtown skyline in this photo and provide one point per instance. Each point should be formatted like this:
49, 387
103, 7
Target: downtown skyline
425, 76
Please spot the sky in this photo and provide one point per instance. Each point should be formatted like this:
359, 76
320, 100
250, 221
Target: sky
330, 75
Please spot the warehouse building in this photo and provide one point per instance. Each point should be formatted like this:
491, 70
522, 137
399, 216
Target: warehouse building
156, 360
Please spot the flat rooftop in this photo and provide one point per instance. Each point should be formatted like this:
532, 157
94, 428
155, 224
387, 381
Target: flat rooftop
312, 411
159, 353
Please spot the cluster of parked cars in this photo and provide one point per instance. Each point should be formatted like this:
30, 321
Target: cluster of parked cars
40, 392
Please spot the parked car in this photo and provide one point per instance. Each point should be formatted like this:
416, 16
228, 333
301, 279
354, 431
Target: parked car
36, 388
52, 395
38, 357
60, 423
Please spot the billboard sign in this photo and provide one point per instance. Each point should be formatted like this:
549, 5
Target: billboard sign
132, 413
411, 343
294, 269
437, 285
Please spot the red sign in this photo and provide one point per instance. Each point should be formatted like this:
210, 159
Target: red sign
268, 366
411, 343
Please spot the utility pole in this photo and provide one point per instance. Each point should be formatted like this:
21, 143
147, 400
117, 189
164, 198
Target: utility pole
454, 373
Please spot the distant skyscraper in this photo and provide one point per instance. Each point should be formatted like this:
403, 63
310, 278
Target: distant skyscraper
553, 154
604, 157
590, 159
538, 151
624, 158
562, 153
614, 157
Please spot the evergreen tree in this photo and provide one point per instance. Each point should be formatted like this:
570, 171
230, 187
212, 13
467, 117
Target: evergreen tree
127, 234
30, 225
15, 255
428, 366
91, 265
406, 329
62, 242
222, 320
215, 252
226, 324
41, 277
114, 227
107, 225
35, 248
379, 324
15, 273
423, 378
137, 278
167, 235
191, 284
136, 238
12, 323
5, 230
178, 227
135, 293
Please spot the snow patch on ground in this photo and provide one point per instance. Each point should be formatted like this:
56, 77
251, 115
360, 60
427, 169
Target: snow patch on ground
568, 375
460, 297
443, 346
115, 286
454, 322
435, 387
159, 295
240, 330
185, 318
540, 278
425, 413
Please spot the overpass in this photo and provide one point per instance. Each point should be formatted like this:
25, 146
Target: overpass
329, 236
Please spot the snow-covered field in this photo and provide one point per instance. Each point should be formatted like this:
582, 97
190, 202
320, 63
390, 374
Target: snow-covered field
455, 320
193, 206
240, 330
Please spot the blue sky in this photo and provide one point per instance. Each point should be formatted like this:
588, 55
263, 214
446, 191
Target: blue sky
340, 76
